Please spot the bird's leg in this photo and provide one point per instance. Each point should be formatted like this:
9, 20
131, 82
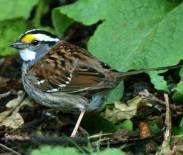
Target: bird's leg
73, 134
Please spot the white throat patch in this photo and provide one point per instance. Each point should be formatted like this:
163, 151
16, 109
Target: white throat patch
27, 55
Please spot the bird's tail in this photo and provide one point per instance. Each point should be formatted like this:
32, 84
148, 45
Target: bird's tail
130, 73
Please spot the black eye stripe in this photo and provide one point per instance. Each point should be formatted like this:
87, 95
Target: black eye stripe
49, 42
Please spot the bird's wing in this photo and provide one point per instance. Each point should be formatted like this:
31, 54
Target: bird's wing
68, 68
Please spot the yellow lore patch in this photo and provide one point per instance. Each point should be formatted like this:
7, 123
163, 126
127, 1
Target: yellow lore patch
28, 38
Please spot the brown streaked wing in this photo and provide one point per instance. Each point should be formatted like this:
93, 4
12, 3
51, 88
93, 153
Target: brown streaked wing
60, 70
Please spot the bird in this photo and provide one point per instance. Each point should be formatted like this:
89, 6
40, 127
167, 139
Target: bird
61, 75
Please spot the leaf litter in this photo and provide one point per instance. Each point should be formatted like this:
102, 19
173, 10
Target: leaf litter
26, 123
120, 111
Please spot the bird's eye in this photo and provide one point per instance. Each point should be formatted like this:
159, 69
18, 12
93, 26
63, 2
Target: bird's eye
35, 42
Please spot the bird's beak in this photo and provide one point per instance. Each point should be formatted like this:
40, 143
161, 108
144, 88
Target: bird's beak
18, 45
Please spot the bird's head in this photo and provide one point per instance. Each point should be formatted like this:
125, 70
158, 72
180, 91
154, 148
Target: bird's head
33, 44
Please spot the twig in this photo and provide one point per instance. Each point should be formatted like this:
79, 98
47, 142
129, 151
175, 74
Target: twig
168, 121
165, 147
151, 97
97, 136
9, 149
40, 140
5, 94
68, 141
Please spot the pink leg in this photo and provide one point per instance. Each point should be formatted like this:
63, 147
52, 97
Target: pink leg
77, 124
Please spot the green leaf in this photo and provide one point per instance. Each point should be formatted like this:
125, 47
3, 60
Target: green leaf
94, 123
134, 33
16, 8
110, 151
63, 16
181, 123
47, 150
9, 35
181, 72
154, 127
58, 19
178, 95
179, 130
159, 81
127, 124
116, 93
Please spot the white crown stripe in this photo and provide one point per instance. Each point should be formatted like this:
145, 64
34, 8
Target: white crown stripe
43, 37
33, 30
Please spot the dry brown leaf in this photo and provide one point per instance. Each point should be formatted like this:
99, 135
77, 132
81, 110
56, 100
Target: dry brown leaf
120, 111
11, 117
13, 121
15, 102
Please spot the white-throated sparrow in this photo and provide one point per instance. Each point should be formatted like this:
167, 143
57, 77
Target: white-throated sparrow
58, 74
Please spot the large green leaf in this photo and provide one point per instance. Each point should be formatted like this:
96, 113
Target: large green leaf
110, 151
9, 35
16, 8
134, 33
47, 150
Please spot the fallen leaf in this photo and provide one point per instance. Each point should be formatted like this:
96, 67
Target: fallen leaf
120, 111
13, 121
14, 102
11, 117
